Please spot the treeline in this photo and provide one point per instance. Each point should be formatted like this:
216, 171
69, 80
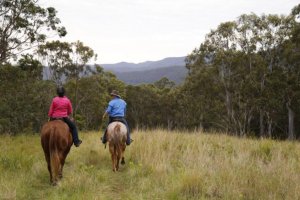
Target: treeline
244, 78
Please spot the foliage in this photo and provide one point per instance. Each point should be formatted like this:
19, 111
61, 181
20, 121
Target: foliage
251, 67
243, 79
56, 56
150, 105
93, 96
24, 97
24, 24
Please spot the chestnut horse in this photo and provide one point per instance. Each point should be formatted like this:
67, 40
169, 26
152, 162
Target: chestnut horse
116, 137
56, 141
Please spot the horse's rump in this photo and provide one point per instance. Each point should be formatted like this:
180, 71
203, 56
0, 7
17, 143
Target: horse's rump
116, 132
56, 141
116, 137
55, 135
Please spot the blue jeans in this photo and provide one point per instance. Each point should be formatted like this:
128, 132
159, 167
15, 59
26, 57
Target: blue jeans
119, 119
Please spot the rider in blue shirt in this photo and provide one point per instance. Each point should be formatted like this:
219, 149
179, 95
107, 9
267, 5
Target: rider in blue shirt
116, 111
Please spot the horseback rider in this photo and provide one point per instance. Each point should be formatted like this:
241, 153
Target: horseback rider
61, 108
116, 111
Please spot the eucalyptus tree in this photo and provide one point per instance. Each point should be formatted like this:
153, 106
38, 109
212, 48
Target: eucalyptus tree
67, 62
265, 39
24, 96
23, 25
280, 74
256, 63
164, 83
272, 34
290, 67
80, 55
200, 101
145, 106
164, 88
55, 55
93, 96
220, 55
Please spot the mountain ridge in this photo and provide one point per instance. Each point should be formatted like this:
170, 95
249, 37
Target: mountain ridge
147, 65
172, 68
174, 73
146, 72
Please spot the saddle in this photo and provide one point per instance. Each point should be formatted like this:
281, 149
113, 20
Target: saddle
62, 119
57, 118
117, 119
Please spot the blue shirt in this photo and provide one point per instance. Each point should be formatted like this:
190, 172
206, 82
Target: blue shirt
116, 108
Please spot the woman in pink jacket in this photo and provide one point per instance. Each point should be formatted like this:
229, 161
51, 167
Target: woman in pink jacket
61, 108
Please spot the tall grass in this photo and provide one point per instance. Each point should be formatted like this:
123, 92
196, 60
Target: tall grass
159, 165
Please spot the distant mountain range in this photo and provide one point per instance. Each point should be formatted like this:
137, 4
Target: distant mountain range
150, 71
145, 72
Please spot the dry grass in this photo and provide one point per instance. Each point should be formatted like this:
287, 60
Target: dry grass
160, 165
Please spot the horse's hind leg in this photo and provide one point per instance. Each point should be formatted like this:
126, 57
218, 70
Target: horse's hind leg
55, 166
47, 156
62, 158
62, 162
123, 159
56, 177
49, 169
113, 157
120, 154
117, 162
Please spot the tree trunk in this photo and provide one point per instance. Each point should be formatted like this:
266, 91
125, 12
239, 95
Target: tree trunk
201, 123
3, 50
261, 124
261, 113
75, 99
170, 125
229, 109
269, 122
270, 129
291, 114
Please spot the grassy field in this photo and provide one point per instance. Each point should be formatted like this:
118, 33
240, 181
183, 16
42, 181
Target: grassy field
159, 165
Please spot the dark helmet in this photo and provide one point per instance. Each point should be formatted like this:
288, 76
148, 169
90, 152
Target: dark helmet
60, 91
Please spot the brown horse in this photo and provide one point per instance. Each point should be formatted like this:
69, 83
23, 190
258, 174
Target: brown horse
56, 141
116, 137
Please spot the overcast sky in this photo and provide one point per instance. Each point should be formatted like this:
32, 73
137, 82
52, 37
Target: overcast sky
149, 30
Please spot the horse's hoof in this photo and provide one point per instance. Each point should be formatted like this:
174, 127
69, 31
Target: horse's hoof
53, 183
123, 162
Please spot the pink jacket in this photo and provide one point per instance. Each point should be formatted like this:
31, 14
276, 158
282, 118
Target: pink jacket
60, 107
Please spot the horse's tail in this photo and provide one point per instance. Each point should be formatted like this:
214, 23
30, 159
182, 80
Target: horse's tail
54, 157
117, 140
